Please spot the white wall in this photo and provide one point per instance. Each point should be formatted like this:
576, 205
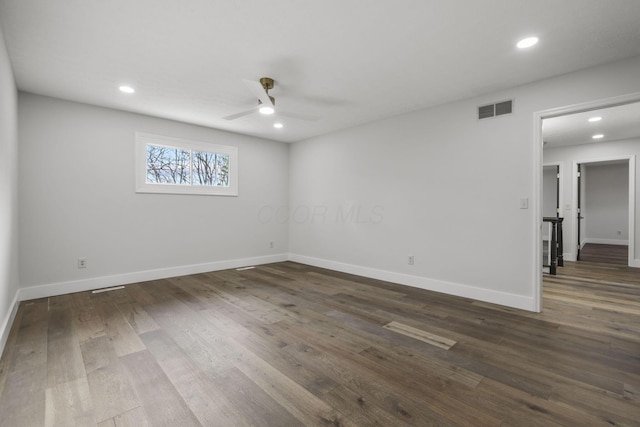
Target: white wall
590, 153
8, 193
440, 185
607, 198
549, 191
584, 173
549, 197
77, 199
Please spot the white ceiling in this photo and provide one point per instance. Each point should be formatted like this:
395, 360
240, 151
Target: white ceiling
619, 122
348, 61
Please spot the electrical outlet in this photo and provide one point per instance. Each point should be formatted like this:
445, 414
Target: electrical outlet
411, 260
82, 263
272, 244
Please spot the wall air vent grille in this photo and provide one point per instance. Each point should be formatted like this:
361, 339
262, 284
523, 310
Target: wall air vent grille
486, 111
493, 110
505, 107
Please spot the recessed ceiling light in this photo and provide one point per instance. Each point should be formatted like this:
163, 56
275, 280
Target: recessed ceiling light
127, 89
528, 42
265, 109
278, 125
595, 119
598, 136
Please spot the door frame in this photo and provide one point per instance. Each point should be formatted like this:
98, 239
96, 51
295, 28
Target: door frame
560, 190
560, 166
632, 197
538, 116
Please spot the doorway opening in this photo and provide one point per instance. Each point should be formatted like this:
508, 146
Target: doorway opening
619, 144
603, 212
552, 240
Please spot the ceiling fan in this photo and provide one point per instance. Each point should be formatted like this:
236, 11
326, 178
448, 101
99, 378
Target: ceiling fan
267, 103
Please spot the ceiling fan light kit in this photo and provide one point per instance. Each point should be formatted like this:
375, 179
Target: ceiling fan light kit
266, 103
267, 109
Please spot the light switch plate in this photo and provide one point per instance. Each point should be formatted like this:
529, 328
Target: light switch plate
524, 203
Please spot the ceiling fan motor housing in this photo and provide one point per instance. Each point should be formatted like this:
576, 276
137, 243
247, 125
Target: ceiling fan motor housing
267, 83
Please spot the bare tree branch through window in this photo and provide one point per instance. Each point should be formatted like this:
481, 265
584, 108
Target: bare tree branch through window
173, 165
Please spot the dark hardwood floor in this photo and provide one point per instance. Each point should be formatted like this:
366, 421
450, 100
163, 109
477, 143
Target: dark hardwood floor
608, 254
291, 345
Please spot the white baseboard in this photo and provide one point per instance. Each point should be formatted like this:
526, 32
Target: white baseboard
605, 241
5, 327
51, 289
457, 289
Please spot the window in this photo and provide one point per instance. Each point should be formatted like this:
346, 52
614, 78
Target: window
178, 166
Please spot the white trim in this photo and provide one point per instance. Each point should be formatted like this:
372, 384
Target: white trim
632, 197
574, 211
537, 143
589, 105
536, 201
52, 289
582, 243
605, 241
451, 288
632, 211
144, 139
7, 322
561, 171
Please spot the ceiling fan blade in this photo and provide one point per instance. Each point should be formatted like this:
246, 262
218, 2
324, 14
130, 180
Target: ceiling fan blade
257, 89
299, 116
241, 114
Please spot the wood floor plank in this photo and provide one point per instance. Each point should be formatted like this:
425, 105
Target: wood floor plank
161, 402
267, 342
602, 253
414, 361
257, 406
202, 393
132, 418
139, 319
216, 357
124, 338
368, 413
7, 354
69, 404
606, 408
373, 384
194, 335
23, 398
302, 404
531, 408
140, 292
22, 402
111, 391
87, 320
299, 402
421, 335
64, 358
286, 344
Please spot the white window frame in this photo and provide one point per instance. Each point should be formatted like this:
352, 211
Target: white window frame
142, 186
